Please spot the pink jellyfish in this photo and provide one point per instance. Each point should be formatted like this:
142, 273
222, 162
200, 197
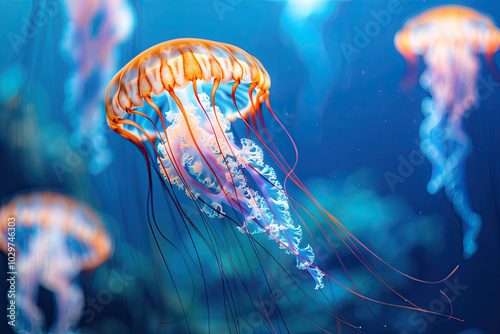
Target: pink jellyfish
449, 38
94, 30
52, 238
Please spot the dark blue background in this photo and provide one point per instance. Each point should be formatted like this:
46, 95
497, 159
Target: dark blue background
368, 121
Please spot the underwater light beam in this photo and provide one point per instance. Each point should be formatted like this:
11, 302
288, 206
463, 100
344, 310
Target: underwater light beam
303, 22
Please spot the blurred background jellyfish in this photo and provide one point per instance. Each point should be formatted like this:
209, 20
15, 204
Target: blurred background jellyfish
90, 42
449, 39
55, 238
303, 22
183, 97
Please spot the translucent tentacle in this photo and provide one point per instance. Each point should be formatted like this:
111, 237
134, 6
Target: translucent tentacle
265, 207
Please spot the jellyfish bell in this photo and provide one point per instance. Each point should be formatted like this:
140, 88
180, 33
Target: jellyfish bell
441, 26
52, 211
450, 40
459, 25
172, 66
55, 238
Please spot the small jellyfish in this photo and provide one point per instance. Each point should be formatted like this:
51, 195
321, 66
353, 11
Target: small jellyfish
52, 238
94, 31
449, 39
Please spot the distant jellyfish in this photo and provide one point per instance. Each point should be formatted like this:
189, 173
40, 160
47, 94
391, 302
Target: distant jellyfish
90, 42
303, 23
54, 238
449, 39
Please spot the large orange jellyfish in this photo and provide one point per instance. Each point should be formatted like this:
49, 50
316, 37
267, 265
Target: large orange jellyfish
181, 97
52, 238
449, 38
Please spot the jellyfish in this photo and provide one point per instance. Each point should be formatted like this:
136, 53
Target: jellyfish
303, 22
93, 32
179, 102
449, 39
53, 239
196, 152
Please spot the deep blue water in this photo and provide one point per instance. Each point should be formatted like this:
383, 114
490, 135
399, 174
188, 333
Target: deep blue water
356, 130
